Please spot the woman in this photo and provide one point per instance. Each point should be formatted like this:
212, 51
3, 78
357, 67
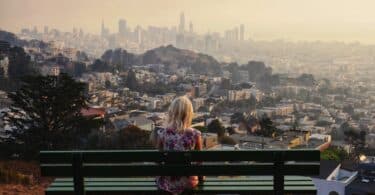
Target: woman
178, 136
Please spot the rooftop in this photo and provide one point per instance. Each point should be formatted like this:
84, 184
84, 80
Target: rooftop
342, 175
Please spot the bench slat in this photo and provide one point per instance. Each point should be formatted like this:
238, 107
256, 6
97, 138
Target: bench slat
206, 189
122, 170
123, 156
207, 183
237, 178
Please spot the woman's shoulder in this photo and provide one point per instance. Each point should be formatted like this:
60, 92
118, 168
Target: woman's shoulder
194, 131
166, 131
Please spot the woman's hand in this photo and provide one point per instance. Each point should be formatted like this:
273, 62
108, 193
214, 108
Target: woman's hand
201, 179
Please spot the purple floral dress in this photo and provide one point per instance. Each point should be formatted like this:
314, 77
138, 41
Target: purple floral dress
172, 140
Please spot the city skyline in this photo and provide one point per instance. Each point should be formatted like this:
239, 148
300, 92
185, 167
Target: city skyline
263, 20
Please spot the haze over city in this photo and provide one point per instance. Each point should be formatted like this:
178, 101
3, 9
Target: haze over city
334, 20
278, 92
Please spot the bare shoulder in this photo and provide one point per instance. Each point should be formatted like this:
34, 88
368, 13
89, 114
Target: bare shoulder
195, 131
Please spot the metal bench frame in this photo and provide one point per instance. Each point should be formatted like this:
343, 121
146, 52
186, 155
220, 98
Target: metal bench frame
147, 163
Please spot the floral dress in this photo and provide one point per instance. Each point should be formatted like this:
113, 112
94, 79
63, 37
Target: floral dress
172, 140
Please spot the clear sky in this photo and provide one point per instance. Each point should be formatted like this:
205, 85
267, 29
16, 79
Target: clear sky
342, 20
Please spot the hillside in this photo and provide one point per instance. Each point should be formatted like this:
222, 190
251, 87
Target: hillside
180, 58
13, 40
170, 56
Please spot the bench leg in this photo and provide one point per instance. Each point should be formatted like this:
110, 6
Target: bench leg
79, 188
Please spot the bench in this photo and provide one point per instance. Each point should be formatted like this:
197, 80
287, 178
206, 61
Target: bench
134, 171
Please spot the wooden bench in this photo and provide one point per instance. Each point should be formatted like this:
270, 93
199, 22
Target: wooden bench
134, 171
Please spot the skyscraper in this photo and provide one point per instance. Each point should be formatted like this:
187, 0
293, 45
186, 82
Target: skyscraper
45, 29
191, 30
75, 31
103, 29
81, 33
182, 23
242, 32
138, 31
235, 31
122, 27
35, 30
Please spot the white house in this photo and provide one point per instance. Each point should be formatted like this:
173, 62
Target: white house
336, 182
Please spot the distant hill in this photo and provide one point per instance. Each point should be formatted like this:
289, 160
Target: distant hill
181, 58
11, 38
170, 56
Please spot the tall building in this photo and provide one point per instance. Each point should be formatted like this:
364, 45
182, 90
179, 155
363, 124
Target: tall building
138, 31
182, 23
75, 31
122, 27
191, 30
81, 33
45, 29
242, 32
35, 30
235, 30
104, 31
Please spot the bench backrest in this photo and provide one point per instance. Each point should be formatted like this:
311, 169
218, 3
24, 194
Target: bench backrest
127, 163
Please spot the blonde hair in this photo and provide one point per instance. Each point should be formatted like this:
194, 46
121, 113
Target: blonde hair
180, 113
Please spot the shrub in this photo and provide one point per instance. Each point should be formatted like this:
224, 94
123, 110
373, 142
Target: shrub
202, 129
10, 176
227, 140
334, 153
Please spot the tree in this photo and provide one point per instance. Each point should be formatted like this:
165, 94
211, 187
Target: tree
337, 134
237, 117
354, 137
230, 130
19, 63
203, 109
202, 129
296, 117
107, 84
334, 153
325, 86
134, 137
227, 140
216, 127
100, 66
306, 80
81, 56
131, 80
233, 68
345, 127
267, 101
267, 127
252, 102
348, 109
46, 113
79, 69
120, 59
295, 124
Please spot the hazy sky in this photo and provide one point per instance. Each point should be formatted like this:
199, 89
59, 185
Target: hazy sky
342, 20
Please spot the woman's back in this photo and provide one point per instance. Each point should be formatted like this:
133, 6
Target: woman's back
173, 140
170, 139
178, 136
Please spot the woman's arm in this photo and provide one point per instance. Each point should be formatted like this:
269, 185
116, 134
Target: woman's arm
159, 144
199, 146
156, 138
153, 138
